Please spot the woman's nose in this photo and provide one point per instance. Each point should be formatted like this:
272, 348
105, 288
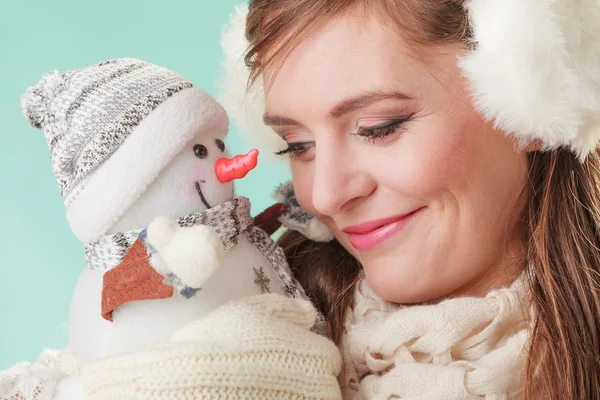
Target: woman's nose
338, 180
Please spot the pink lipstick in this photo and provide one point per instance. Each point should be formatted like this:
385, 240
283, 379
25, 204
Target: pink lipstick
370, 234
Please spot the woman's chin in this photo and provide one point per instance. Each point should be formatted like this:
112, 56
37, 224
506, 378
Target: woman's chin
394, 283
405, 282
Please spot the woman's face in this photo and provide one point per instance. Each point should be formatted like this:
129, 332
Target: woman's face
388, 151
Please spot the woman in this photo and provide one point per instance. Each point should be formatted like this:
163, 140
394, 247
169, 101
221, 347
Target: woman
449, 148
465, 191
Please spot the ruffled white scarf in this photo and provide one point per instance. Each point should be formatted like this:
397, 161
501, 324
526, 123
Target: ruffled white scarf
461, 348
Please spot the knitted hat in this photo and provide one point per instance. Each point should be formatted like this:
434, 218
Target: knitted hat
102, 121
533, 68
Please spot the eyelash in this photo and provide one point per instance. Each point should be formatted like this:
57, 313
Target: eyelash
295, 150
372, 134
369, 135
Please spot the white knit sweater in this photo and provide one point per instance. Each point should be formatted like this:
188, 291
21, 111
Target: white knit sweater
261, 348
255, 348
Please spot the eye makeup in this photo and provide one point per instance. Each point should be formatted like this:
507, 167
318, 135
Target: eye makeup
371, 130
371, 133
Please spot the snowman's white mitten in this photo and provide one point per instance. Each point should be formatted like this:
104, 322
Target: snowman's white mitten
254, 348
161, 231
192, 253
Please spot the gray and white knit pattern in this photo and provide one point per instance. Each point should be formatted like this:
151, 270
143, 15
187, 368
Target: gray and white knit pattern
297, 218
86, 114
274, 254
109, 251
228, 220
276, 257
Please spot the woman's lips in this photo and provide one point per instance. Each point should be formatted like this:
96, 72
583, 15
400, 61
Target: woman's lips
370, 234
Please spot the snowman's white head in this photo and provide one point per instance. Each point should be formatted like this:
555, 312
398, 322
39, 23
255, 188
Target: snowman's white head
195, 180
130, 141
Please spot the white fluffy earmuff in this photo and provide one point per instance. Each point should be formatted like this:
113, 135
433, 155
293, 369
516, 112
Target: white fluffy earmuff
535, 70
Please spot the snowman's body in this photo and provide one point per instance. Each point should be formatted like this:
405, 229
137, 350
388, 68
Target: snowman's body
139, 325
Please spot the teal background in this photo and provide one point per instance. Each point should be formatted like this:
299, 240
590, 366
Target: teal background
41, 259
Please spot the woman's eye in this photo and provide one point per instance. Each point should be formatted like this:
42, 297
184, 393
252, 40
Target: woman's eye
296, 150
373, 133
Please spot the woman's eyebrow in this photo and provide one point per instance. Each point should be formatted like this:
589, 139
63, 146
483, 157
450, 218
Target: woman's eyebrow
344, 107
363, 100
278, 120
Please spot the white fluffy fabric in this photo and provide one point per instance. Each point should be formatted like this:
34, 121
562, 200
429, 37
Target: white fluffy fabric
194, 253
246, 108
535, 70
141, 158
318, 231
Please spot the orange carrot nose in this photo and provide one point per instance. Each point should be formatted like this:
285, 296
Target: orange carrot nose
228, 169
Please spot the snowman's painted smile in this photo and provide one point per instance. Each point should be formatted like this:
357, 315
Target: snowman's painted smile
199, 190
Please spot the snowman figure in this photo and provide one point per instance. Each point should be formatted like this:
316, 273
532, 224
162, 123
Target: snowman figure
140, 158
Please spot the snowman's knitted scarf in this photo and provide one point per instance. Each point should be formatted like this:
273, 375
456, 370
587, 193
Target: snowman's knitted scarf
229, 220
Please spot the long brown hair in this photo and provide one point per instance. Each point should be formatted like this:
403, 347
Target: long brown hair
562, 230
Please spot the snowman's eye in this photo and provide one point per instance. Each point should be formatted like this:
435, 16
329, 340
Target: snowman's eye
220, 144
200, 151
